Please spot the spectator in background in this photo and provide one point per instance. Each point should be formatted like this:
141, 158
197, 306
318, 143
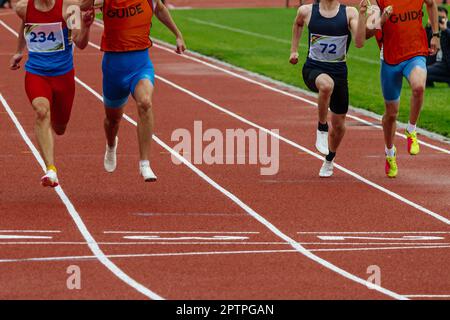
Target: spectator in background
4, 2
439, 66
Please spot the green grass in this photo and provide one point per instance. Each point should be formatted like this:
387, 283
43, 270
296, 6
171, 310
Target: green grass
270, 58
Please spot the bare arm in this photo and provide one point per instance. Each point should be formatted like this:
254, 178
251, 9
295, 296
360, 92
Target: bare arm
358, 23
163, 15
297, 30
21, 10
81, 36
433, 16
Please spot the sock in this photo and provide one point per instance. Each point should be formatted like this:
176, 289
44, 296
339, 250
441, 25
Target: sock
51, 167
330, 156
411, 127
390, 152
323, 127
144, 163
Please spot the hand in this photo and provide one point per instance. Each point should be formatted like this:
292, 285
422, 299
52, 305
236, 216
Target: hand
387, 12
435, 45
293, 59
89, 17
14, 63
181, 46
363, 6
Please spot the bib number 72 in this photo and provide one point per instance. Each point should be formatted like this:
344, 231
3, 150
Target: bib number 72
42, 37
330, 47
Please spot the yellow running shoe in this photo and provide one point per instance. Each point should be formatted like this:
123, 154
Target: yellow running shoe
413, 143
391, 165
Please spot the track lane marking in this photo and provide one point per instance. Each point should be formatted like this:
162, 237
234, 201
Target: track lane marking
92, 244
198, 253
302, 250
304, 149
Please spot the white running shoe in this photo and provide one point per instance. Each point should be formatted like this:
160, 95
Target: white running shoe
110, 161
322, 142
147, 172
327, 169
50, 179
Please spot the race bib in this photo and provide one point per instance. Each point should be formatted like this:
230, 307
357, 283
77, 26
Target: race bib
44, 37
328, 48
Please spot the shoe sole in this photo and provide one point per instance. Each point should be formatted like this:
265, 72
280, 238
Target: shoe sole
150, 180
46, 182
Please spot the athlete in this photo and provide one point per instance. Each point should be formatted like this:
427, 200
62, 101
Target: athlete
49, 79
404, 48
330, 26
127, 69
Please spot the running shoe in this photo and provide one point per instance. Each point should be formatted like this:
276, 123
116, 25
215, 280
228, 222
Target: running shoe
110, 161
322, 142
147, 173
413, 143
327, 169
50, 179
391, 165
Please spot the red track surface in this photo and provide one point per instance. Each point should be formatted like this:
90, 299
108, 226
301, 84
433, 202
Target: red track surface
294, 201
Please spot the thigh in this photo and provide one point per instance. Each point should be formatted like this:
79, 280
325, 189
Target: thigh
416, 71
391, 81
309, 77
143, 81
63, 88
38, 87
340, 97
116, 84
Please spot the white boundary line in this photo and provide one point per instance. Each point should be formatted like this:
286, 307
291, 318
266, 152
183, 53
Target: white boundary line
184, 232
93, 246
373, 232
302, 250
217, 66
428, 295
197, 253
271, 38
302, 148
30, 231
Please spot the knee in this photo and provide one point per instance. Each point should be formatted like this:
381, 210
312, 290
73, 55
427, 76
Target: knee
42, 110
339, 128
390, 116
327, 87
144, 105
418, 90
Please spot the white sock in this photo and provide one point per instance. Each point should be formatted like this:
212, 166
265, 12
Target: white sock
144, 163
411, 127
390, 152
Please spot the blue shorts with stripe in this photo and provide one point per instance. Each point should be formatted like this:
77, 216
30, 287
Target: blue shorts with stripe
122, 71
392, 76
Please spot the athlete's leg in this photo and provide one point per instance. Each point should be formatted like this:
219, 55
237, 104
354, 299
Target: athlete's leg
337, 131
143, 95
63, 95
40, 95
417, 80
111, 124
43, 130
325, 85
390, 122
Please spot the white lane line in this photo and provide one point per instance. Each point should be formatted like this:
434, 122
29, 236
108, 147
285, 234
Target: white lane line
93, 246
302, 250
184, 232
285, 93
247, 243
167, 47
197, 253
158, 238
12, 237
428, 295
266, 37
30, 231
304, 149
374, 232
403, 238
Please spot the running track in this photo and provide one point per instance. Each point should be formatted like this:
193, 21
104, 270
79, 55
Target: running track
214, 232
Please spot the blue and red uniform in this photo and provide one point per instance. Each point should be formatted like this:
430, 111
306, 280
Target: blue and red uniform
49, 69
403, 43
125, 41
